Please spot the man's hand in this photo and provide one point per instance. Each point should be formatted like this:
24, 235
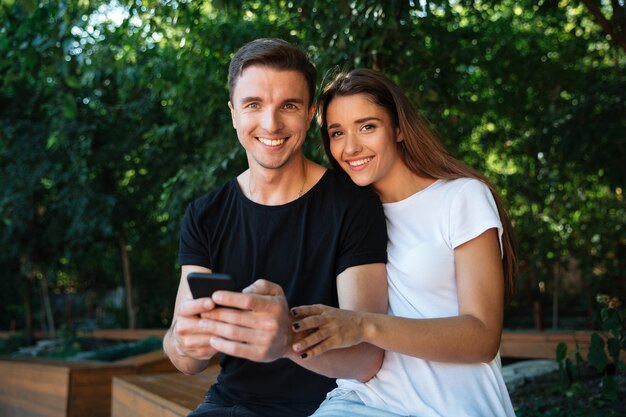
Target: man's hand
257, 327
189, 333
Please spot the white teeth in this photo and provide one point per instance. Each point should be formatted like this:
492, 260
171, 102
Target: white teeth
271, 142
359, 162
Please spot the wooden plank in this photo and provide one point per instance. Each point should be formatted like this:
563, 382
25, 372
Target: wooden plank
90, 389
163, 395
155, 362
41, 387
33, 390
542, 345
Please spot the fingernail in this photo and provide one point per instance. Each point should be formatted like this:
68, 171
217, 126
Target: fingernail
304, 355
296, 347
296, 326
294, 312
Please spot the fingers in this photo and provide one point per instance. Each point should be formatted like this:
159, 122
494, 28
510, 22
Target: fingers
243, 318
311, 340
310, 317
252, 300
252, 351
264, 287
195, 307
304, 311
314, 345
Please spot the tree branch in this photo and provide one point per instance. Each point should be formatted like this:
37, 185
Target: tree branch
618, 37
619, 16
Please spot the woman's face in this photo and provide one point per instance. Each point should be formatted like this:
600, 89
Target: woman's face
363, 140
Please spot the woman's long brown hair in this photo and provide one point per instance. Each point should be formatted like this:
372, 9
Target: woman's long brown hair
421, 150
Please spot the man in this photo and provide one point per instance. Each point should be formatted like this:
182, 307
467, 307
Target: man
291, 233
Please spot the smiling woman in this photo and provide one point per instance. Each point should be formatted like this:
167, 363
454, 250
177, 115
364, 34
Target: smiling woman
451, 261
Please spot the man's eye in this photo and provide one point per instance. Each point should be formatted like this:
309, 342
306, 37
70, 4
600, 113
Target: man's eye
251, 106
290, 106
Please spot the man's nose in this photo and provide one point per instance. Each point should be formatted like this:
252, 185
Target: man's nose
271, 121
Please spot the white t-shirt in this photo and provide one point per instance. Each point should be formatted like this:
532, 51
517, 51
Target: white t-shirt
423, 231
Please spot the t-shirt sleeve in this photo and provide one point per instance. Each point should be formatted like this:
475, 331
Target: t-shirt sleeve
473, 212
193, 244
364, 240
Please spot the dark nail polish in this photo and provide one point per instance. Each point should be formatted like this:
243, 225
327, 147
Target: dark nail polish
304, 355
294, 312
296, 326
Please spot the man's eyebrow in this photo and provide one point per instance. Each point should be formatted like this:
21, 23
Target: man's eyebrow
356, 122
294, 100
249, 99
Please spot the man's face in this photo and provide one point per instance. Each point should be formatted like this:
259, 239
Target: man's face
271, 113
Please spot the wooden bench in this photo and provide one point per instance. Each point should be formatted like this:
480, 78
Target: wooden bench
163, 395
39, 387
530, 344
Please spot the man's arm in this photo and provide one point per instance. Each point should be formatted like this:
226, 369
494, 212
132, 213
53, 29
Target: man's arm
186, 343
261, 329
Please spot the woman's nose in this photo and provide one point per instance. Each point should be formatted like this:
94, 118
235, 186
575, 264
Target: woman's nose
353, 145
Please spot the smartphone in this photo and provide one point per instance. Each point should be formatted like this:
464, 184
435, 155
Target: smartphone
203, 284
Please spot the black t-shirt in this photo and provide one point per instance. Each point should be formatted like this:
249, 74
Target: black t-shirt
302, 246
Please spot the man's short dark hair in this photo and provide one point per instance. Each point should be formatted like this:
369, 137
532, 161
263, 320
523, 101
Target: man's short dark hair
273, 53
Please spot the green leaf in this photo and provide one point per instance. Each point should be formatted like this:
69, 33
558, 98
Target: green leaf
72, 82
29, 5
597, 357
613, 347
561, 351
69, 106
609, 387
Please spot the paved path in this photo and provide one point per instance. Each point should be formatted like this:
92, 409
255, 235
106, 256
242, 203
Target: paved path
524, 372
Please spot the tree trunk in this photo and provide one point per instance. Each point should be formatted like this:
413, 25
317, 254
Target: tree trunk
28, 310
47, 309
555, 296
128, 279
27, 297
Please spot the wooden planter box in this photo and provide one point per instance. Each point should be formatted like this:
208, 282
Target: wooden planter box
38, 387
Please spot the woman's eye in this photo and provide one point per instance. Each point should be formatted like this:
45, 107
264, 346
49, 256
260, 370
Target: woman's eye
335, 134
367, 128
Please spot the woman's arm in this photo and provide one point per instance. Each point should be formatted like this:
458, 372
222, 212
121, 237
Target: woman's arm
472, 336
362, 289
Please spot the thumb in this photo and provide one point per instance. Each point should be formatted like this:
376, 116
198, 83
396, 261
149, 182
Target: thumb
263, 287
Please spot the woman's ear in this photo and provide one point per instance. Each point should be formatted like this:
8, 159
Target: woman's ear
399, 137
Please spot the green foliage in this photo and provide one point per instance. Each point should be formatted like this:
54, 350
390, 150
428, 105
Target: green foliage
10, 344
113, 117
610, 366
124, 350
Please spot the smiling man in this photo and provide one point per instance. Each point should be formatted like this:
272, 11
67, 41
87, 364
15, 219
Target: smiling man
289, 232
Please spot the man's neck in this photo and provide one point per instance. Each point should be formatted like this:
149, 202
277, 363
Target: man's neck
273, 187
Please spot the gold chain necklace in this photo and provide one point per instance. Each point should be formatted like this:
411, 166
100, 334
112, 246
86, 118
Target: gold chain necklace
299, 192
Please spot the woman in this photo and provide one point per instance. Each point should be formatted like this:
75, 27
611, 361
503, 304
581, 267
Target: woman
451, 264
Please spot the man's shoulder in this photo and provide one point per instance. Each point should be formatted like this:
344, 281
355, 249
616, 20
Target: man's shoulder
342, 186
216, 197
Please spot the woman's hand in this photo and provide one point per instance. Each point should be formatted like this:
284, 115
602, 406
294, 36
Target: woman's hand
326, 328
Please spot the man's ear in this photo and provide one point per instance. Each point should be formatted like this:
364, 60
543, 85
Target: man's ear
232, 113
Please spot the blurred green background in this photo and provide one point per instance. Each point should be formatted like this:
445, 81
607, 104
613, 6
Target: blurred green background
113, 117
